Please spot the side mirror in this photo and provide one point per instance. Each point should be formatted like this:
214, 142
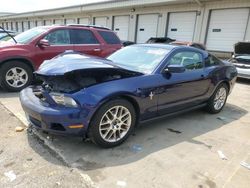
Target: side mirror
43, 43
174, 69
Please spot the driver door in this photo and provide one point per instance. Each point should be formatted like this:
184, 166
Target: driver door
186, 89
59, 42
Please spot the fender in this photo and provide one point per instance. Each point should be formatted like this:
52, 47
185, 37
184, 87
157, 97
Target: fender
24, 59
125, 95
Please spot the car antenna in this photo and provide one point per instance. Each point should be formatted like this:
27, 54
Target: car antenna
8, 34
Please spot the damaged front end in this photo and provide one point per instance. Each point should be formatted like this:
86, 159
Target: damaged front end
79, 79
241, 59
71, 72
56, 105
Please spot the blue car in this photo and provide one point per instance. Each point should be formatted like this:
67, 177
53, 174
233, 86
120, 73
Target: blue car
104, 99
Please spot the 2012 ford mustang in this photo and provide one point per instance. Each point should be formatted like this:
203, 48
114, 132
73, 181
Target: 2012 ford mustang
104, 99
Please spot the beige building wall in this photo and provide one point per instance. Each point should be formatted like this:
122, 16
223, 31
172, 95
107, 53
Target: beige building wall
134, 8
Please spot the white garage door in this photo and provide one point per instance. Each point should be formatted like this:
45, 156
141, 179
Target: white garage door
147, 27
101, 21
25, 25
48, 22
181, 26
226, 27
32, 24
70, 21
247, 37
39, 23
84, 21
121, 26
59, 21
20, 27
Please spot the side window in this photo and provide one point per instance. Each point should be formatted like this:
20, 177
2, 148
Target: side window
211, 61
58, 37
82, 36
190, 60
109, 37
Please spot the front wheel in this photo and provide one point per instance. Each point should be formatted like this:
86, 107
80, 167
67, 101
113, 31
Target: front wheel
218, 99
15, 75
113, 123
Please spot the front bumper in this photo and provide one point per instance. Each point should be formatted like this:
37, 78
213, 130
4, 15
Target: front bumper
52, 118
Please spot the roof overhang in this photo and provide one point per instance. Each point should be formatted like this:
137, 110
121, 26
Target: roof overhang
100, 6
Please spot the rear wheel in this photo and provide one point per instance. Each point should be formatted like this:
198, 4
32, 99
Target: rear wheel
218, 99
113, 123
15, 75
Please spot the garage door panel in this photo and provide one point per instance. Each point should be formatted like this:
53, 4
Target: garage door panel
39, 23
247, 37
59, 21
121, 26
181, 26
84, 21
147, 27
226, 27
101, 21
70, 21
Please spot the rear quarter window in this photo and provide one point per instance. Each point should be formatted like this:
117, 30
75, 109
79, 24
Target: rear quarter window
109, 37
212, 61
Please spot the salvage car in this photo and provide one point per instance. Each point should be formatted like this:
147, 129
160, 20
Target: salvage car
22, 55
241, 59
104, 99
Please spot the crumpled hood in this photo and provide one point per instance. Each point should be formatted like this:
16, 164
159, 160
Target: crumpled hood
71, 61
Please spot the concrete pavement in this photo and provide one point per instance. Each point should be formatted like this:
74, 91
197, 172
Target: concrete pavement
172, 152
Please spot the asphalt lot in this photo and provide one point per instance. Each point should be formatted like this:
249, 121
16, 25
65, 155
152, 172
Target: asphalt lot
174, 152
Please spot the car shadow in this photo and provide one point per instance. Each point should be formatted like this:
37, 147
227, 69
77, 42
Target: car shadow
5, 94
148, 139
243, 81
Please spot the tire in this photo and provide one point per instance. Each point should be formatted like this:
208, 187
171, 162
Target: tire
212, 106
15, 75
116, 128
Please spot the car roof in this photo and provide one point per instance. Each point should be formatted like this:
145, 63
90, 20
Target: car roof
171, 47
78, 26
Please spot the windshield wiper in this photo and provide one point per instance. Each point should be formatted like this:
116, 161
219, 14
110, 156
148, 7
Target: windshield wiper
8, 34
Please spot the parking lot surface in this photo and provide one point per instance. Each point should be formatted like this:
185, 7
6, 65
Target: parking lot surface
181, 151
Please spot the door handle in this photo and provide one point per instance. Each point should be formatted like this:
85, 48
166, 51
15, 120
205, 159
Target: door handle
97, 49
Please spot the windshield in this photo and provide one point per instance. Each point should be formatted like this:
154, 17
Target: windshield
27, 36
142, 59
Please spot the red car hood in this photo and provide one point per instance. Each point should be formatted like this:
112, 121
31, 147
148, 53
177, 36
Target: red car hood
7, 43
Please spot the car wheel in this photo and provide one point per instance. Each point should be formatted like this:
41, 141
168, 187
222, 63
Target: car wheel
218, 99
113, 123
14, 76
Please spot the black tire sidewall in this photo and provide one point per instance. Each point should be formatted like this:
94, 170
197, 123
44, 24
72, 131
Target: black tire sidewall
6, 67
94, 133
210, 105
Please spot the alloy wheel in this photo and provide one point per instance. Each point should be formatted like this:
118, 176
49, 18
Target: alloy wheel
220, 98
115, 124
16, 77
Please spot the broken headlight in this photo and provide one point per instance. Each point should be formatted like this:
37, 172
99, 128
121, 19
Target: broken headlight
63, 100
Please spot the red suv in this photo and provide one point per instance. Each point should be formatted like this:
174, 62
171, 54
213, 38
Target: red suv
19, 60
